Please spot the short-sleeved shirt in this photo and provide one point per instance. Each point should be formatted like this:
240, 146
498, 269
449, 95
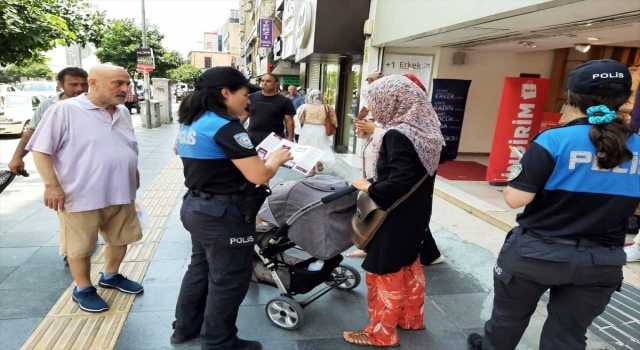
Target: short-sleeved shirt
42, 107
297, 101
574, 197
267, 113
95, 155
207, 147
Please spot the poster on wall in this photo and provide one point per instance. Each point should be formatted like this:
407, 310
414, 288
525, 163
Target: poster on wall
519, 117
449, 98
550, 121
419, 65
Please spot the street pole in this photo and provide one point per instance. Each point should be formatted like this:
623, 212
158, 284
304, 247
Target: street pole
147, 97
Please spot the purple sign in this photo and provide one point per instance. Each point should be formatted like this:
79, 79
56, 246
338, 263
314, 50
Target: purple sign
265, 29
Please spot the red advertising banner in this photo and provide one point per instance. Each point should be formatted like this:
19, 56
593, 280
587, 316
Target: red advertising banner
519, 117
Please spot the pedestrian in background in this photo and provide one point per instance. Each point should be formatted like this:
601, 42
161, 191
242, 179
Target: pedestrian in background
73, 82
408, 152
221, 169
578, 193
87, 155
314, 117
269, 112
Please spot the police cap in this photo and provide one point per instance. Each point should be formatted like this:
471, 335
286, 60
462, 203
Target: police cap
220, 77
585, 78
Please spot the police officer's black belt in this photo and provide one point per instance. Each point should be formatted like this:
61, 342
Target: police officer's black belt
233, 198
567, 241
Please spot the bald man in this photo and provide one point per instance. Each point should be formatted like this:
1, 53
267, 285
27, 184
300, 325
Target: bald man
87, 155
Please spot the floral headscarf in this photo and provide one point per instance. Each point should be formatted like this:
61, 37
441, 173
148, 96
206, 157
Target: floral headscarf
401, 105
314, 97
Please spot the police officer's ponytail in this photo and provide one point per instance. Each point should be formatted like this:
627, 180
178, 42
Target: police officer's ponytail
609, 133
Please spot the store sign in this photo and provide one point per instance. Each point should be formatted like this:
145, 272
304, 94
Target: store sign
265, 28
449, 99
289, 29
145, 61
550, 120
419, 65
290, 81
303, 28
519, 117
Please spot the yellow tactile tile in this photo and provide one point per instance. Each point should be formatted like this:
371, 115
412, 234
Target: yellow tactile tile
79, 332
66, 327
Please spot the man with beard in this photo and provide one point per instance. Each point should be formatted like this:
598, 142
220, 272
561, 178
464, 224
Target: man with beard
73, 82
87, 155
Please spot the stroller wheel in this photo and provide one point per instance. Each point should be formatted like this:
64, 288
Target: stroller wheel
349, 274
284, 312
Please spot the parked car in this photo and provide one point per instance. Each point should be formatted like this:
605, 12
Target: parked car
39, 88
5, 89
19, 109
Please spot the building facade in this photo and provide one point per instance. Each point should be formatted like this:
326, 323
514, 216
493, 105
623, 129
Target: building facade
208, 59
231, 34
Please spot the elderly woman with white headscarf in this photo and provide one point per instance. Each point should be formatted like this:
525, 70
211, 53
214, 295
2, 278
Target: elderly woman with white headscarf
315, 118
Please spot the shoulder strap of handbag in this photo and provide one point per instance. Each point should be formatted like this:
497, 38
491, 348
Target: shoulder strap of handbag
326, 111
413, 189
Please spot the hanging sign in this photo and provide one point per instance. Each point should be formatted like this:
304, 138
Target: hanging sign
449, 98
519, 117
145, 62
265, 28
419, 65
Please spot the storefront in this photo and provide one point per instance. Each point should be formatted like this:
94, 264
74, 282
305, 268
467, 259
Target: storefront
533, 39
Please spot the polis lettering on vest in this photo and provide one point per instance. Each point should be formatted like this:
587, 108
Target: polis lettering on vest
585, 157
187, 138
519, 117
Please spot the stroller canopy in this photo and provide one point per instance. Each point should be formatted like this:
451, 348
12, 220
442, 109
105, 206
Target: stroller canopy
323, 232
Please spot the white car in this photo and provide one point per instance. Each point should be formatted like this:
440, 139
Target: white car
18, 112
39, 88
5, 89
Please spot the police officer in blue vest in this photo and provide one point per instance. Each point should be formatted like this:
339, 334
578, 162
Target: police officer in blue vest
221, 169
579, 185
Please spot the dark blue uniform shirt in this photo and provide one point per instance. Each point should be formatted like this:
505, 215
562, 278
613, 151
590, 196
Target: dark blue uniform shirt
574, 198
207, 147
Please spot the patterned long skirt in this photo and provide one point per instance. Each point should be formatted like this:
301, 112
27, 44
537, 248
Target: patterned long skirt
395, 300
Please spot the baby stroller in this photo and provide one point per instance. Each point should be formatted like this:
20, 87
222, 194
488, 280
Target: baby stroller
308, 221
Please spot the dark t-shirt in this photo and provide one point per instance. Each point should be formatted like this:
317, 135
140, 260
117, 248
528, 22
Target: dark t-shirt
267, 112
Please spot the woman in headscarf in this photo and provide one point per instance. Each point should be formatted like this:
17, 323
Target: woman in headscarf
408, 150
369, 130
313, 132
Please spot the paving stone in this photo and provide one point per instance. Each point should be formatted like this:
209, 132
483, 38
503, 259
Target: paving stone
465, 310
25, 239
14, 332
16, 256
444, 281
5, 271
56, 275
36, 226
28, 302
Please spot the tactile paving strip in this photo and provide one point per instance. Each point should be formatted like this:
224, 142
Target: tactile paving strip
66, 327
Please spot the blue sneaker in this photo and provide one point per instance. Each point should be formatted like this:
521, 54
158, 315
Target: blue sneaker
121, 283
89, 300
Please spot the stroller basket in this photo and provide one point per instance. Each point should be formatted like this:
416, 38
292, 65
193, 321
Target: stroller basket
303, 281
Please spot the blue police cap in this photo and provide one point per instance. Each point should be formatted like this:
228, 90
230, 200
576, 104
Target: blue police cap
587, 77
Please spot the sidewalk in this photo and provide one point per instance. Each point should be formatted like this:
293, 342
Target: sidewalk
34, 282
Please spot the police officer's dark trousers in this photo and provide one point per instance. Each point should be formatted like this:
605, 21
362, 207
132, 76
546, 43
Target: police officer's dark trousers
220, 271
581, 279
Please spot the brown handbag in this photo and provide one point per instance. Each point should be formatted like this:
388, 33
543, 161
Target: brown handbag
369, 216
328, 125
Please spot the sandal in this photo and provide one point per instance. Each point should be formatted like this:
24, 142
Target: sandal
361, 338
357, 254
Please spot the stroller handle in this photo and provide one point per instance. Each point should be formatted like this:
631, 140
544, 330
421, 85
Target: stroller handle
339, 194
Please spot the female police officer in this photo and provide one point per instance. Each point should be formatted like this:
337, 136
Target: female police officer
580, 184
221, 168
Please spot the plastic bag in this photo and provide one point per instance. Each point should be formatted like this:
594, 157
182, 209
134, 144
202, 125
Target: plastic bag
145, 221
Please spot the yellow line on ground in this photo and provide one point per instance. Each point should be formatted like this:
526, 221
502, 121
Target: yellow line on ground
69, 328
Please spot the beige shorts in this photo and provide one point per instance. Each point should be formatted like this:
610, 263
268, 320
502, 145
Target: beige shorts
117, 224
